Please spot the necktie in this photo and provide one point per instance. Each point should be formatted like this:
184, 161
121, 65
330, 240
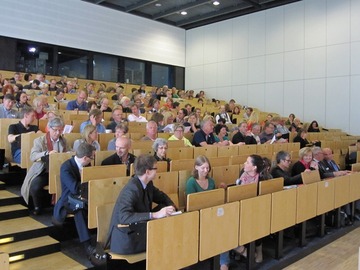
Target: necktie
335, 167
146, 199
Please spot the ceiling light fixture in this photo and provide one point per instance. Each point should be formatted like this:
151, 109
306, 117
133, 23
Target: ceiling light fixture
216, 3
158, 5
183, 13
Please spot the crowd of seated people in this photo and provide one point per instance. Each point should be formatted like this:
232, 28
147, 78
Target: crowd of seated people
160, 115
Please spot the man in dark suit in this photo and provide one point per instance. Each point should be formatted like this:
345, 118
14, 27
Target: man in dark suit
134, 207
70, 184
329, 165
122, 155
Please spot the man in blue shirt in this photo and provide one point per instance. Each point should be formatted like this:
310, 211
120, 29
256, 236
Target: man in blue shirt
95, 118
79, 104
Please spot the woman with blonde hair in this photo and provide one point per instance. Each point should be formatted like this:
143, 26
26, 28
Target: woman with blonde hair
39, 105
90, 136
305, 162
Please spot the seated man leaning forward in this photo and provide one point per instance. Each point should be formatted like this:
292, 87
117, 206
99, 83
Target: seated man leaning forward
133, 208
15, 131
37, 176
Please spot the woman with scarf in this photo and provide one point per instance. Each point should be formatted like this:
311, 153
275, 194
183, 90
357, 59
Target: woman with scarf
305, 162
255, 170
37, 176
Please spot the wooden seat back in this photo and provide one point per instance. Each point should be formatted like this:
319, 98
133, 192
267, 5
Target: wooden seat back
226, 174
181, 164
176, 153
101, 192
55, 162
208, 151
271, 185
228, 151
104, 138
283, 210
310, 177
186, 244
306, 202
254, 226
205, 199
27, 142
101, 155
241, 192
98, 172
220, 218
326, 196
342, 191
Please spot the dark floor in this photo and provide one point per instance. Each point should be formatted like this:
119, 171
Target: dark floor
291, 251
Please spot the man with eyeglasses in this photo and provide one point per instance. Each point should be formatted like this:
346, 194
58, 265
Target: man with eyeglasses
37, 176
133, 208
70, 177
282, 169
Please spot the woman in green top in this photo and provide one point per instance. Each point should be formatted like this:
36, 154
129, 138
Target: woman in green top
200, 180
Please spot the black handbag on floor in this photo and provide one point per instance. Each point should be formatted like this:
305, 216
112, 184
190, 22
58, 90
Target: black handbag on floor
76, 203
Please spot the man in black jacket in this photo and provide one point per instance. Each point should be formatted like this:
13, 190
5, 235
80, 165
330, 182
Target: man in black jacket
134, 207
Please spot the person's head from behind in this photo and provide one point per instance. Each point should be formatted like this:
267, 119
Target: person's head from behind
160, 147
89, 134
121, 129
254, 164
158, 118
8, 101
55, 127
122, 146
145, 167
85, 153
283, 160
306, 154
202, 168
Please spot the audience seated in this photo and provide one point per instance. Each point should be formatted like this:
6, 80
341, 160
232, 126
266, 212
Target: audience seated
104, 105
22, 101
121, 130
133, 207
267, 136
179, 135
253, 172
39, 105
221, 132
241, 134
305, 162
15, 131
90, 136
329, 165
314, 127
135, 116
160, 147
282, 169
201, 181
205, 136
79, 104
181, 115
223, 114
280, 128
95, 119
247, 113
290, 119
253, 136
6, 109
151, 131
37, 176
122, 155
70, 184
117, 118
191, 121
